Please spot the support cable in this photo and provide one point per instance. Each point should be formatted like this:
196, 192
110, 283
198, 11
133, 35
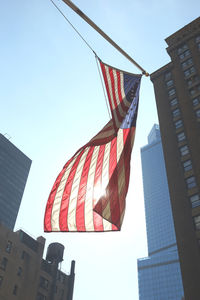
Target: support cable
106, 100
73, 27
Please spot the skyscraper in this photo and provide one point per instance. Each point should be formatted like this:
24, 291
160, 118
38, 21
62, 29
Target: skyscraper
159, 273
177, 91
14, 169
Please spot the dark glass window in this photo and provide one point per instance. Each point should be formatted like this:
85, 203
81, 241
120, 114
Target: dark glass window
191, 182
15, 290
197, 40
168, 75
173, 102
8, 246
184, 54
187, 165
19, 271
178, 124
44, 283
182, 48
176, 112
186, 63
1, 280
198, 113
41, 297
196, 101
184, 150
171, 92
189, 71
3, 264
24, 255
181, 136
195, 200
169, 83
197, 222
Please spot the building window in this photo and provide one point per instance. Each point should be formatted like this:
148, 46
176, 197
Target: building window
176, 112
171, 92
19, 271
197, 40
181, 136
194, 79
15, 289
187, 165
8, 246
184, 150
44, 283
168, 75
195, 200
184, 54
169, 83
3, 264
197, 222
178, 124
182, 48
41, 297
1, 280
173, 102
191, 182
189, 71
24, 255
198, 113
195, 90
196, 101
186, 63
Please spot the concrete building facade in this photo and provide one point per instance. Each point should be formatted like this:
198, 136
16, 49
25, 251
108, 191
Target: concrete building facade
177, 91
159, 275
14, 170
25, 275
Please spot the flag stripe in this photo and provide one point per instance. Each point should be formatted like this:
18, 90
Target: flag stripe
89, 224
67, 190
80, 211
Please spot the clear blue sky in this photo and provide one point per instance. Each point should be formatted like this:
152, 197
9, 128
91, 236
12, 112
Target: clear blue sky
52, 103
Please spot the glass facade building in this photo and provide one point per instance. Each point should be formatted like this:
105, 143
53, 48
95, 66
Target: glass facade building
159, 274
14, 170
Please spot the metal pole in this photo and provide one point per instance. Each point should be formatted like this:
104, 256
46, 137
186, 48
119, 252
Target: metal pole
91, 23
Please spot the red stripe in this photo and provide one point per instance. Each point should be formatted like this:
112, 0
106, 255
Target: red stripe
97, 219
108, 93
49, 206
113, 186
66, 195
119, 117
80, 216
124, 108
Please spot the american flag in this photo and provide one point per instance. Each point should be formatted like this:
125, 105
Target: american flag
89, 193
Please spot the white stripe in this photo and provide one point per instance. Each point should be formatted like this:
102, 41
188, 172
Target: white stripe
58, 197
105, 180
89, 225
112, 99
122, 90
121, 172
119, 107
71, 219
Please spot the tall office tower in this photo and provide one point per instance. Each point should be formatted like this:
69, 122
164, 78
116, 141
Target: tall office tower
177, 91
25, 275
159, 273
14, 169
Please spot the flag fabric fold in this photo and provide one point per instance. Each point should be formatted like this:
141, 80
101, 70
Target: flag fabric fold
89, 193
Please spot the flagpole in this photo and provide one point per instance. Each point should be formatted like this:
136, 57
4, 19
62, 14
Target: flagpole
101, 32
